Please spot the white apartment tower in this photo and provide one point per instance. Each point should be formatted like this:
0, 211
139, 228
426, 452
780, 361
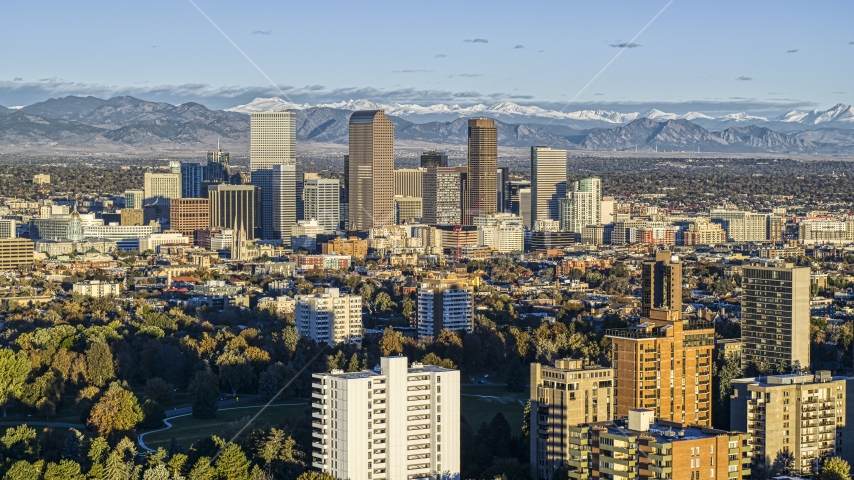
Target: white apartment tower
445, 303
548, 183
284, 180
161, 185
329, 317
272, 141
393, 422
321, 200
583, 206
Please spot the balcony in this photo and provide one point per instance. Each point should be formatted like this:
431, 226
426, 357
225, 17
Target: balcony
659, 470
660, 458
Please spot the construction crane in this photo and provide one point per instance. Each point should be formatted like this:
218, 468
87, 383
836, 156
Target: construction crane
459, 228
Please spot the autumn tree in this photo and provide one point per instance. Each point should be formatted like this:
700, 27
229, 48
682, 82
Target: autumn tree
390, 343
235, 370
116, 411
834, 468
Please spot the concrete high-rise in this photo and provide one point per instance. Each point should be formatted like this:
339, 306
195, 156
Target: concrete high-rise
664, 364
134, 198
482, 168
445, 303
661, 283
162, 185
321, 202
285, 178
583, 205
329, 317
186, 215
433, 158
775, 314
408, 182
548, 183
442, 195
272, 142
371, 170
394, 422
233, 207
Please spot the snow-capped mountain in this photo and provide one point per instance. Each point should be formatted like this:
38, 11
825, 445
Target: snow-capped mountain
841, 115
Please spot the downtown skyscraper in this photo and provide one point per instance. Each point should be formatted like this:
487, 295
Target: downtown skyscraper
371, 170
548, 183
482, 168
272, 142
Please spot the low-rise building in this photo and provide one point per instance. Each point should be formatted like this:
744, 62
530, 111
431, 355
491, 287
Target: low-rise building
97, 289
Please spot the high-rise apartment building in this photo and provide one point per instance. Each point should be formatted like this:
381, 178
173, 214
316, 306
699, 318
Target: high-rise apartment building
186, 215
482, 167
329, 317
321, 202
192, 176
567, 394
742, 226
775, 314
445, 303
548, 183
432, 158
233, 207
162, 185
664, 364
371, 170
134, 198
284, 180
795, 419
408, 182
582, 207
394, 422
272, 142
644, 448
442, 196
661, 283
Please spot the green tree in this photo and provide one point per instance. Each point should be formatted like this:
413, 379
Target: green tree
315, 476
20, 444
14, 369
64, 470
116, 411
353, 366
390, 343
515, 376
204, 401
383, 302
99, 364
235, 369
834, 468
159, 390
232, 463
202, 470
23, 470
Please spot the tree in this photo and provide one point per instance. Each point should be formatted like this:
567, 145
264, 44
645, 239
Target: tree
383, 302
117, 411
315, 476
515, 376
202, 470
159, 390
73, 446
14, 369
390, 343
433, 359
353, 366
64, 470
204, 401
834, 468
23, 470
99, 364
232, 463
235, 369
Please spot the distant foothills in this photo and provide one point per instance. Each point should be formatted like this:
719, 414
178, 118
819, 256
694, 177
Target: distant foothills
133, 127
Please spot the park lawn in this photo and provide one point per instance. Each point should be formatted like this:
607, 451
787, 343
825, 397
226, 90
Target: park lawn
188, 430
479, 403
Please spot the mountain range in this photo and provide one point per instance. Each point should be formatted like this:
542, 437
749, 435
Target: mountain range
130, 126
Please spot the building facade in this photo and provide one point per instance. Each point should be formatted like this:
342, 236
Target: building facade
408, 182
371, 170
433, 158
161, 185
192, 176
548, 183
233, 207
186, 215
321, 202
97, 289
482, 163
272, 142
661, 283
329, 317
15, 252
445, 303
441, 204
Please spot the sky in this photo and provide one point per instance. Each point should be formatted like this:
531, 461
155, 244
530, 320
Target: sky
758, 56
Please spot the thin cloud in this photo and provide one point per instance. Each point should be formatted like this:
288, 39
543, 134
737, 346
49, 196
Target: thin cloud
18, 79
626, 45
850, 43
598, 94
841, 93
262, 32
519, 46
523, 97
441, 55
792, 51
477, 40
315, 88
744, 79
410, 71
467, 95
467, 75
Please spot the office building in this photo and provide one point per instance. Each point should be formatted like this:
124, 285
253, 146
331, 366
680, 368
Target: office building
345, 194
408, 182
606, 210
513, 188
482, 167
775, 314
392, 422
525, 198
233, 207
63, 226
96, 289
664, 364
285, 178
407, 209
217, 168
502, 179
567, 394
131, 216
120, 232
272, 142
15, 252
661, 283
503, 236
186, 215
134, 199
329, 317
548, 183
442, 196
351, 247
371, 170
162, 186
304, 235
445, 303
645, 448
8, 228
432, 158
154, 241
321, 202
801, 416
582, 207
545, 240
742, 226
813, 231
192, 176
700, 231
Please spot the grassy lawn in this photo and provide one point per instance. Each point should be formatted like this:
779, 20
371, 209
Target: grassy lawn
479, 403
187, 430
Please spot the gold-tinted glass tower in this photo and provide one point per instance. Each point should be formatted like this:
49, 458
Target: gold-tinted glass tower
482, 180
371, 170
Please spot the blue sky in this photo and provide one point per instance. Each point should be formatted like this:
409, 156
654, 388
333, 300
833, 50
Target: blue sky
756, 56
